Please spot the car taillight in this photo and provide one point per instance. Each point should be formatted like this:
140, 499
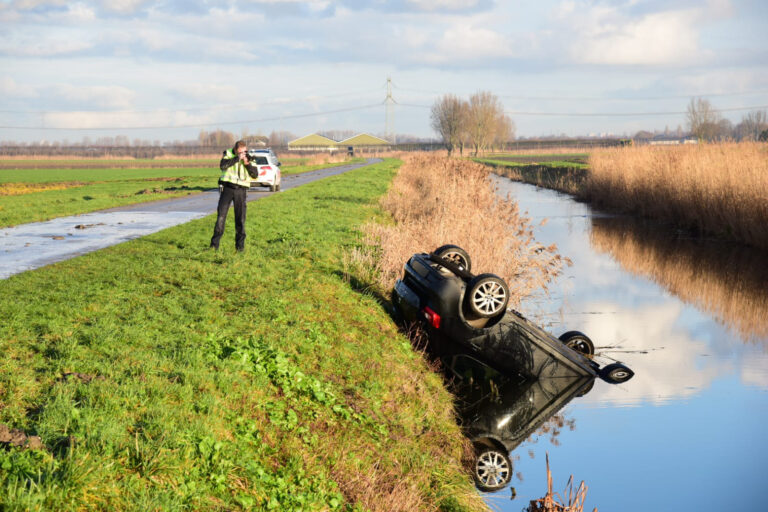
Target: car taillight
432, 317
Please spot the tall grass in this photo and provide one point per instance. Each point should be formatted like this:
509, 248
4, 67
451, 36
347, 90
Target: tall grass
721, 189
434, 201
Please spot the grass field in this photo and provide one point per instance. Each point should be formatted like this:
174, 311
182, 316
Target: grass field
566, 172
31, 195
163, 376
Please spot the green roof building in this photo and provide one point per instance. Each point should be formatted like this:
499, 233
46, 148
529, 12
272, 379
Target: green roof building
315, 142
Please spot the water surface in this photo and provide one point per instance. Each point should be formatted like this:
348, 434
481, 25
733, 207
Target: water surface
690, 317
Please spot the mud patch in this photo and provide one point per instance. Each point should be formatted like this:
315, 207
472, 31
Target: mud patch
17, 438
19, 189
82, 377
86, 226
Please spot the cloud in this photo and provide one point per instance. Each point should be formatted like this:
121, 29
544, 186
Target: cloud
9, 88
106, 97
34, 46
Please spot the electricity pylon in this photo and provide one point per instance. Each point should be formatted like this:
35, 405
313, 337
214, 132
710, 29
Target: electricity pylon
388, 102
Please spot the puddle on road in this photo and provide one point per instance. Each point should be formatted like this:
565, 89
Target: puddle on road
34, 245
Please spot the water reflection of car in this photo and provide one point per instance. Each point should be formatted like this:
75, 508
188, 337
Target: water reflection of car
268, 169
439, 291
498, 413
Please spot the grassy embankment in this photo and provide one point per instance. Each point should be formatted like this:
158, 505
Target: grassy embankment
163, 376
711, 189
565, 172
55, 189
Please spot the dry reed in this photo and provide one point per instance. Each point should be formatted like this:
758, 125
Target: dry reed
435, 201
571, 501
720, 189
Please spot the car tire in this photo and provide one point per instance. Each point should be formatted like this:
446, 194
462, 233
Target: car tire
579, 342
272, 188
456, 255
493, 469
616, 373
487, 296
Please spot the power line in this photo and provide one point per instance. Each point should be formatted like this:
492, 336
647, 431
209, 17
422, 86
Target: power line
205, 125
607, 98
625, 114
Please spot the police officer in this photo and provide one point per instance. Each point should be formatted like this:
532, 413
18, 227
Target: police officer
233, 187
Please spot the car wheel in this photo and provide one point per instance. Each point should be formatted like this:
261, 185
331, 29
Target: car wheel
579, 342
271, 188
493, 470
278, 187
456, 255
616, 373
487, 295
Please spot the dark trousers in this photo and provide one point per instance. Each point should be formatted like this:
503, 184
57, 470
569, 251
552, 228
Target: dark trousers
230, 193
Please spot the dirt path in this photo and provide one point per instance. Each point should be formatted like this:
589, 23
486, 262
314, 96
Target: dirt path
34, 245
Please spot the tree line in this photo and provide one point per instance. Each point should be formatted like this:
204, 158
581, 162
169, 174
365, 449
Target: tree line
479, 123
706, 123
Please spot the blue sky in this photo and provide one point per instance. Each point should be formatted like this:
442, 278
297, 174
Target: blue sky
167, 70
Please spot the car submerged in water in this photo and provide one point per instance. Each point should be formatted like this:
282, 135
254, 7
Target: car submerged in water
439, 292
482, 345
267, 169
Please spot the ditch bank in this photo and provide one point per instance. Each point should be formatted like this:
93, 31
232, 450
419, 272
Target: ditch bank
263, 380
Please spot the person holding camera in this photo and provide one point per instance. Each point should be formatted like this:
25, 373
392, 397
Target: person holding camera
236, 171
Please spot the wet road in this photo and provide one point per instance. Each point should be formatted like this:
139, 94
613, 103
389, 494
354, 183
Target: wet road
37, 244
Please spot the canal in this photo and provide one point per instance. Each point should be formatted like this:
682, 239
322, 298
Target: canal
690, 317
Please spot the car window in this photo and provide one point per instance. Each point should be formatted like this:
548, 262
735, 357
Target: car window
260, 160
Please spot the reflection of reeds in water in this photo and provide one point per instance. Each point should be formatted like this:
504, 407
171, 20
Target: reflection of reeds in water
571, 500
726, 281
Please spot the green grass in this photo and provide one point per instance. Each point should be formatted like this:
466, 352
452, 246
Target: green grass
563, 172
96, 189
226, 381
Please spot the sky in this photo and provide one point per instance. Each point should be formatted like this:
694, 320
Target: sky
165, 71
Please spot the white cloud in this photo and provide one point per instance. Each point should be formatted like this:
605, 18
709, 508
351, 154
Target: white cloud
34, 46
108, 97
672, 367
611, 34
442, 5
9, 88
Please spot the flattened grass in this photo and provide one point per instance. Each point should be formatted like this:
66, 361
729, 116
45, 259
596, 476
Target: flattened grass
224, 381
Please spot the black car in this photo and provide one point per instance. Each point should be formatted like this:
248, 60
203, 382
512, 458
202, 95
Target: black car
439, 291
498, 413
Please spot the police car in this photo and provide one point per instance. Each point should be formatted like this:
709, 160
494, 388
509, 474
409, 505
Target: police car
268, 169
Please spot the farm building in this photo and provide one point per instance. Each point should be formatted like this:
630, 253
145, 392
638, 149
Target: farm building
315, 142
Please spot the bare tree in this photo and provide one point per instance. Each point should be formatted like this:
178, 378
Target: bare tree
485, 110
505, 130
448, 119
752, 125
703, 119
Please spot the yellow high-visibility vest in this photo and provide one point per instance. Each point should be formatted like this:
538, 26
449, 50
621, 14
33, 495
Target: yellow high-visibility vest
237, 173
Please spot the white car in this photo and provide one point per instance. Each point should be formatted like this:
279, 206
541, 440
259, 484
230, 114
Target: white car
265, 161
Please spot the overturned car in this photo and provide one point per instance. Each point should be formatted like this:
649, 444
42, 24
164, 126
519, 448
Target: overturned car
439, 291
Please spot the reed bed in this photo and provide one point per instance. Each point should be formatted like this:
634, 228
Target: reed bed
434, 201
720, 189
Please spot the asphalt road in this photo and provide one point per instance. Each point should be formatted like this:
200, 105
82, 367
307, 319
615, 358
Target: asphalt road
37, 244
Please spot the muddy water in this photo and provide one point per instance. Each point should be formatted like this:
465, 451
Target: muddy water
688, 432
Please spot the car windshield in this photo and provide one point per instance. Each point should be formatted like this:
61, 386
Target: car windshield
260, 160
